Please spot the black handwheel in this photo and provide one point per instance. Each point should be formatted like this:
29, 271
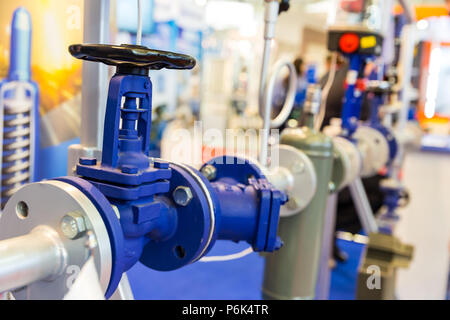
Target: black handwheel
131, 58
284, 6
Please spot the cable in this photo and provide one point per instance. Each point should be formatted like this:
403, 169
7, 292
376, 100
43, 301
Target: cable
229, 257
326, 91
139, 24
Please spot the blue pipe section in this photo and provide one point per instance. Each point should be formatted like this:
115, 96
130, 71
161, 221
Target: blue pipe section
351, 110
238, 204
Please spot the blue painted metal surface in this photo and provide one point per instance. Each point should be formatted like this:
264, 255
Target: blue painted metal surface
196, 220
112, 224
377, 100
246, 196
390, 139
392, 195
351, 109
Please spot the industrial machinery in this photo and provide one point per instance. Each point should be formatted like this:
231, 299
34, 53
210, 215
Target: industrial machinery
19, 112
292, 171
165, 215
301, 164
357, 34
330, 164
395, 194
292, 272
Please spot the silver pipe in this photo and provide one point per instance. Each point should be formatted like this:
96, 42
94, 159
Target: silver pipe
270, 19
94, 87
266, 114
95, 75
26, 259
363, 208
139, 23
266, 88
264, 73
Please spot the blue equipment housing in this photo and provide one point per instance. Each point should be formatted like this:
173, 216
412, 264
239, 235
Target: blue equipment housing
377, 96
351, 113
138, 196
352, 105
19, 111
394, 195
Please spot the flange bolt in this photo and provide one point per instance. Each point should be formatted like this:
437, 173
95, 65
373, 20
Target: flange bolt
129, 169
182, 196
278, 244
88, 161
209, 171
73, 225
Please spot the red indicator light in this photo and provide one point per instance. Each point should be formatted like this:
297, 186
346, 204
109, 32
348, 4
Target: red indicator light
349, 43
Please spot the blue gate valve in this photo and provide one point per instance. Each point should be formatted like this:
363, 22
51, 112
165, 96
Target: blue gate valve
164, 214
377, 91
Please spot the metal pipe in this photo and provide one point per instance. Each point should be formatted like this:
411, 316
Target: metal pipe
94, 87
26, 259
363, 207
270, 19
95, 75
266, 88
264, 73
139, 23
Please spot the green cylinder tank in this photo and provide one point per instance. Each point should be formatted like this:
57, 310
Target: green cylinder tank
291, 273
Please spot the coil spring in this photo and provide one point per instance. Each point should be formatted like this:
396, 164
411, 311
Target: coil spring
16, 149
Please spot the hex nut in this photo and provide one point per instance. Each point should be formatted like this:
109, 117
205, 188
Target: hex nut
209, 171
182, 196
73, 225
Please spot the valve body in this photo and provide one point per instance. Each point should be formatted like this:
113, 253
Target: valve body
291, 273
